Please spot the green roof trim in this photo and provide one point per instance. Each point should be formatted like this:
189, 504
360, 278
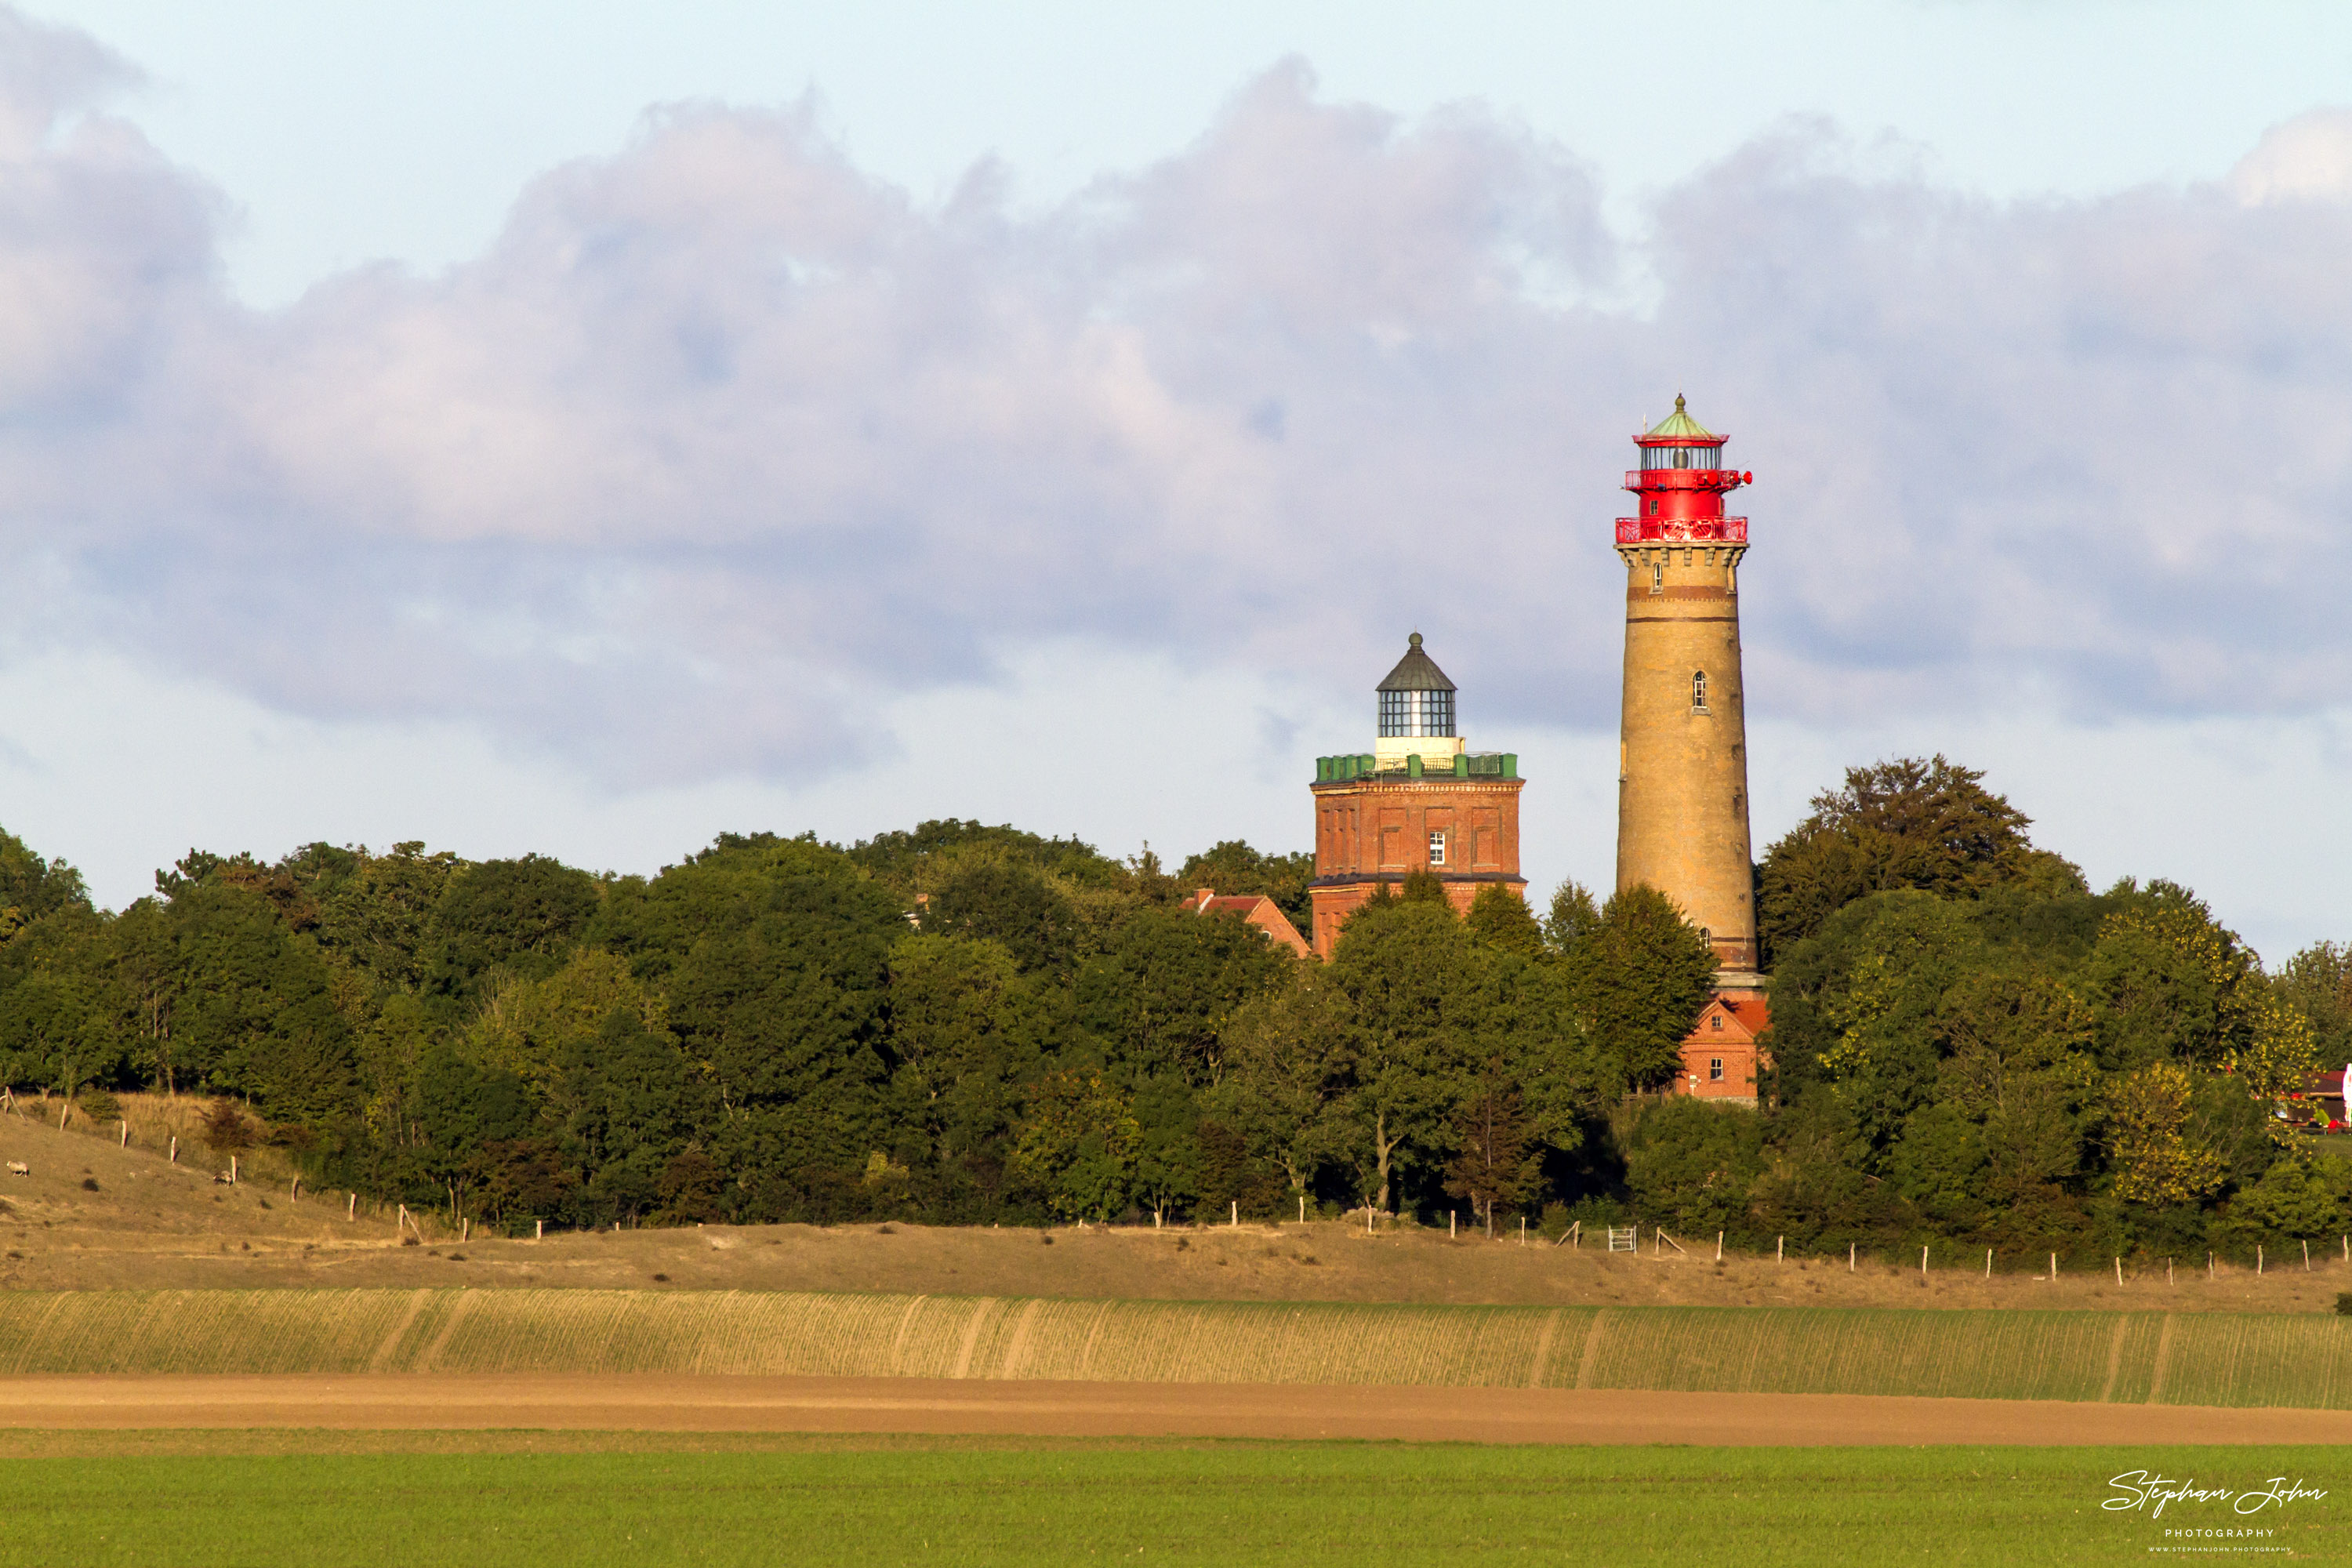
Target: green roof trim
1680, 423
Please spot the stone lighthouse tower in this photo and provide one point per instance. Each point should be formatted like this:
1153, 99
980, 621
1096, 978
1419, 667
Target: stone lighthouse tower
1681, 774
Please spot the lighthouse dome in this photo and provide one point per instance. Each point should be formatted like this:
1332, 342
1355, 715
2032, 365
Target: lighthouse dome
1416, 699
1679, 441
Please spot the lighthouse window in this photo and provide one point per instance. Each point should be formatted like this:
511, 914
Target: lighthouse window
1698, 691
1657, 576
1682, 456
1437, 849
1408, 713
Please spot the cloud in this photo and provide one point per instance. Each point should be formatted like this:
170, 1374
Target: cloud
725, 444
2307, 158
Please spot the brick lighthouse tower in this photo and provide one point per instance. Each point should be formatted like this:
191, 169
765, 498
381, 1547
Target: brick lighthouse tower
1419, 802
1682, 775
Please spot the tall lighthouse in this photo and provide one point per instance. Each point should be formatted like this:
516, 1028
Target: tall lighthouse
1681, 774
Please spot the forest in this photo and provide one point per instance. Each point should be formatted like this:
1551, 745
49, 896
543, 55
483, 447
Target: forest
963, 1023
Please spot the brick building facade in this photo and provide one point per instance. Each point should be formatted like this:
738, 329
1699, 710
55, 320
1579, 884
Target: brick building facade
1419, 802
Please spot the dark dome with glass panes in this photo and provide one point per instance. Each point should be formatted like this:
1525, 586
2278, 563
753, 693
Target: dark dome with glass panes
1416, 699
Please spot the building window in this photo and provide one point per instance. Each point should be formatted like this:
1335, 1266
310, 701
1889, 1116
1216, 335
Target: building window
1437, 849
1657, 576
1413, 713
1714, 1069
1698, 691
1715, 1022
1707, 936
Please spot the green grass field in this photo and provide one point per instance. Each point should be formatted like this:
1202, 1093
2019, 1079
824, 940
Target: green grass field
88, 1498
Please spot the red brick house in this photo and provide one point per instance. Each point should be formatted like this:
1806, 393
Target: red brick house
1720, 1055
1259, 911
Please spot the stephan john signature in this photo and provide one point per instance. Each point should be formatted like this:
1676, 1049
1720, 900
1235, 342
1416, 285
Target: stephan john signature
2137, 1489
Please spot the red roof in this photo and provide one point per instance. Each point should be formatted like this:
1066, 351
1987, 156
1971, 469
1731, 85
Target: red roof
1754, 1013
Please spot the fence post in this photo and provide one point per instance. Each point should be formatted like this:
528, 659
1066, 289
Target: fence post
353, 1211
1523, 1236
1449, 1224
175, 1148
2119, 1270
1302, 1209
2054, 1269
232, 1170
466, 1228
2167, 1271
296, 1196
1719, 1247
1923, 1260
2258, 1257
539, 1230
1237, 1214
1849, 1255
1780, 1250
2209, 1268
2307, 1258
126, 1134
1576, 1235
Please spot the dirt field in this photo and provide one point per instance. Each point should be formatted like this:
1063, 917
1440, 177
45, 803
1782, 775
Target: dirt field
153, 1225
1132, 1410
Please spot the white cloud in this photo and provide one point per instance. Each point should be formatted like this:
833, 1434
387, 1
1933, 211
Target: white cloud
727, 456
2307, 158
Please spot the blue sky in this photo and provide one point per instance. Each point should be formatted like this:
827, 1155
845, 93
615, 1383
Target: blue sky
590, 427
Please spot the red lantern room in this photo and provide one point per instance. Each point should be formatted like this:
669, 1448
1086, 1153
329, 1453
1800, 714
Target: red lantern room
1679, 488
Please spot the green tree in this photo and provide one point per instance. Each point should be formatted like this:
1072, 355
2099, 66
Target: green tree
1690, 1164
1497, 1158
1413, 979
1290, 1075
1079, 1143
774, 955
1930, 825
1163, 995
1642, 974
522, 916
1500, 918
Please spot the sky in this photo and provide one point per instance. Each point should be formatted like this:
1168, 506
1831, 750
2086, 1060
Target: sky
589, 428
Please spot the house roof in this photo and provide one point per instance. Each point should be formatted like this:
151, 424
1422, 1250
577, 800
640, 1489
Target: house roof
1416, 671
1259, 909
1749, 1017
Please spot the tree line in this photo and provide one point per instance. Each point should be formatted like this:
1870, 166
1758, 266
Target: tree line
963, 1024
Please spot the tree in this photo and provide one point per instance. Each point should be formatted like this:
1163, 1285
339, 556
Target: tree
31, 887
1929, 824
1163, 995
1573, 917
1641, 974
1011, 904
2157, 1160
1500, 918
2318, 983
1690, 1164
1495, 1158
1412, 978
522, 916
774, 955
1079, 1143
1289, 1075
966, 1034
